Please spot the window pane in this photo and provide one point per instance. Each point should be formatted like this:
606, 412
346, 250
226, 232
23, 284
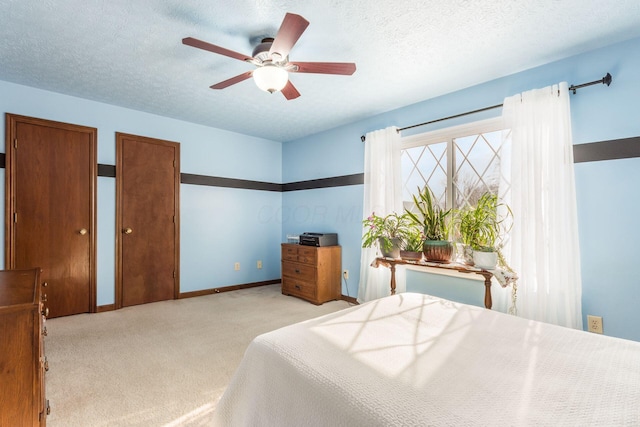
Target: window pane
425, 165
477, 167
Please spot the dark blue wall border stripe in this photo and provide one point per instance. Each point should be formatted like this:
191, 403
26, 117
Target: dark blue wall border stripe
607, 150
336, 181
106, 170
215, 181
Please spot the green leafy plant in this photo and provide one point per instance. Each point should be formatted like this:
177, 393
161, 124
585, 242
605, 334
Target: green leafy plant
413, 241
483, 225
384, 230
430, 216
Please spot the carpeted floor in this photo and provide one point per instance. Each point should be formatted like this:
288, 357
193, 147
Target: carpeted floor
160, 364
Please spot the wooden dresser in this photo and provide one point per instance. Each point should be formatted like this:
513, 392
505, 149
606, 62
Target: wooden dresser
22, 360
311, 273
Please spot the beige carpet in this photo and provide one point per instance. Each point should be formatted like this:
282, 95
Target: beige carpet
160, 364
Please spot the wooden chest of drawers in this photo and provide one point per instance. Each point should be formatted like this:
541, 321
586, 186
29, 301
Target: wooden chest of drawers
22, 360
311, 273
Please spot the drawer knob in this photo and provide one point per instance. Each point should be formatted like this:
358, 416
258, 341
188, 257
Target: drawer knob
298, 287
44, 331
45, 284
297, 271
44, 297
45, 312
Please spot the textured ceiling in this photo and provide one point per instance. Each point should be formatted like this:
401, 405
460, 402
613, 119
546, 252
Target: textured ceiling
129, 53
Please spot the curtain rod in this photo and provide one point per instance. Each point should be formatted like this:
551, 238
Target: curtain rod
606, 80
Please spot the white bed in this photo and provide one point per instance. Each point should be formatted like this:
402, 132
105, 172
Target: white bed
416, 360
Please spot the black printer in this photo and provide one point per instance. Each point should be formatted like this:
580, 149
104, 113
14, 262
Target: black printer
319, 239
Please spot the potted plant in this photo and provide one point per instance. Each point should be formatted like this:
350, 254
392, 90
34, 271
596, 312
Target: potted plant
387, 232
435, 224
412, 244
480, 230
473, 222
465, 225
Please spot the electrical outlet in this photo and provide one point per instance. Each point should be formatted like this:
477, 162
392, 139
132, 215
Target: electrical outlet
259, 264
594, 324
345, 274
236, 266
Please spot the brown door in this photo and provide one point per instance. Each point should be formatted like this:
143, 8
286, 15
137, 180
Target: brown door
148, 183
50, 208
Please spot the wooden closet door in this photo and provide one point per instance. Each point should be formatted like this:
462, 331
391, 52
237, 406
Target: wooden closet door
148, 176
50, 209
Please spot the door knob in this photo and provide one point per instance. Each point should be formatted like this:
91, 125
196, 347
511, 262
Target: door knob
128, 230
83, 232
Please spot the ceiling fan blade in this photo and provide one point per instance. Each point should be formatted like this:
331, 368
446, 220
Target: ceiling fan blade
289, 91
290, 31
233, 80
190, 41
344, 68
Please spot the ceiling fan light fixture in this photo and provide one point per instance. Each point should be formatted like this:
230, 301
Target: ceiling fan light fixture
270, 78
271, 59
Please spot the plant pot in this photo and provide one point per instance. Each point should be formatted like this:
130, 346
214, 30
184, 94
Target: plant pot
394, 252
411, 256
438, 250
485, 260
464, 254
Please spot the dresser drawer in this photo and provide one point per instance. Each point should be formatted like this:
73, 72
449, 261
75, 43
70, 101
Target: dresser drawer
307, 255
299, 271
290, 252
291, 286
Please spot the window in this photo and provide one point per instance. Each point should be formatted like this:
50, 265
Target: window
458, 163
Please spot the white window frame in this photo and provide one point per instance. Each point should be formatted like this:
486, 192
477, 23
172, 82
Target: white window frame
448, 135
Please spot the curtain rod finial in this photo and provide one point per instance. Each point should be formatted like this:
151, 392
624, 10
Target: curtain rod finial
607, 79
363, 138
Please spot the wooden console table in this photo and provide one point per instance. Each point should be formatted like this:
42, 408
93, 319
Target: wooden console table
391, 263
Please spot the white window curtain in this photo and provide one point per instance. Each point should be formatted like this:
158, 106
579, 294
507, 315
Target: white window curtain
544, 247
382, 195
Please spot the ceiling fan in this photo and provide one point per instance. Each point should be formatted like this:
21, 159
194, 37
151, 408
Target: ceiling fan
271, 57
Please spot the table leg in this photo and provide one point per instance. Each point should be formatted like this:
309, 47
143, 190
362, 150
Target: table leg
392, 267
487, 291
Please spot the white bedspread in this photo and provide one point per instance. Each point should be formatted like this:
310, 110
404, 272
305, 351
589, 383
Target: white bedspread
416, 360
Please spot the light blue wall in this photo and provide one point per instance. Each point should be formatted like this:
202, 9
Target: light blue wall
106, 251
222, 226
608, 195
608, 211
218, 226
